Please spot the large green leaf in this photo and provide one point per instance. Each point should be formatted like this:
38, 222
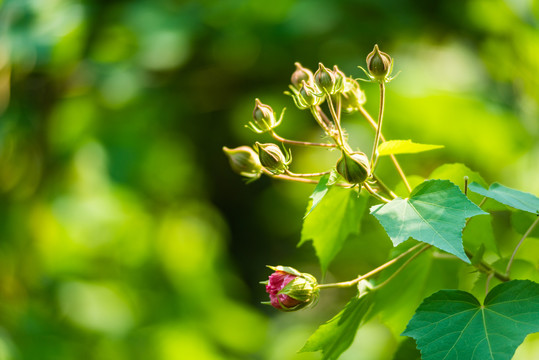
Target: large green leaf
393, 147
435, 213
336, 335
452, 324
514, 198
455, 173
337, 216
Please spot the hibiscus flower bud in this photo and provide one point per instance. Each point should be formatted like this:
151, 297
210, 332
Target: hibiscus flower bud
264, 119
354, 167
244, 161
272, 158
353, 97
379, 64
325, 79
301, 74
290, 290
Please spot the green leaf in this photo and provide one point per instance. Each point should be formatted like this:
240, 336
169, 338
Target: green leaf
336, 335
435, 213
337, 216
514, 198
479, 232
319, 192
322, 188
452, 324
394, 147
456, 173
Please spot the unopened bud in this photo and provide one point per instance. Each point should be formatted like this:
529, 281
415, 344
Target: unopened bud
379, 64
353, 97
291, 290
244, 161
340, 79
308, 95
301, 74
264, 118
354, 167
272, 158
325, 79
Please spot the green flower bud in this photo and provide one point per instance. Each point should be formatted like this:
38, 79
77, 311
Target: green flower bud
353, 97
379, 64
308, 95
264, 118
272, 158
301, 74
325, 79
354, 167
340, 79
244, 161
290, 290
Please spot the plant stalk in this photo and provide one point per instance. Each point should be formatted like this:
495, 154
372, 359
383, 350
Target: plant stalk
370, 273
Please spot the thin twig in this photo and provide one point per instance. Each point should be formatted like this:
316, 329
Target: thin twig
426, 247
371, 121
370, 273
374, 193
528, 232
374, 156
322, 173
302, 143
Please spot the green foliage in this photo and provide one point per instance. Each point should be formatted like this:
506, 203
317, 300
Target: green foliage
335, 219
453, 324
404, 147
435, 213
514, 198
337, 334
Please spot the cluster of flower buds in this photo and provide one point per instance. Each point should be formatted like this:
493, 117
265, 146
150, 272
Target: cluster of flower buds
291, 290
310, 89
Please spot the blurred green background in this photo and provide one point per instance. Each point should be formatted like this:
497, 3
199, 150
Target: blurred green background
123, 232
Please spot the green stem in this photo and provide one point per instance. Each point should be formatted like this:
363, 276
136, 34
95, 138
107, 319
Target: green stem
307, 175
317, 114
487, 269
370, 273
374, 193
302, 143
528, 232
374, 156
384, 187
425, 248
336, 116
369, 118
298, 179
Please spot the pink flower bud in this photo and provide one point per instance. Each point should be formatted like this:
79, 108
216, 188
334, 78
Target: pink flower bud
277, 281
291, 290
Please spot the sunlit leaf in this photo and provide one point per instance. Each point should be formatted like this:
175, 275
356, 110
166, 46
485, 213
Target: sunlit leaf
337, 216
336, 335
322, 189
404, 147
453, 324
435, 213
514, 198
456, 173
